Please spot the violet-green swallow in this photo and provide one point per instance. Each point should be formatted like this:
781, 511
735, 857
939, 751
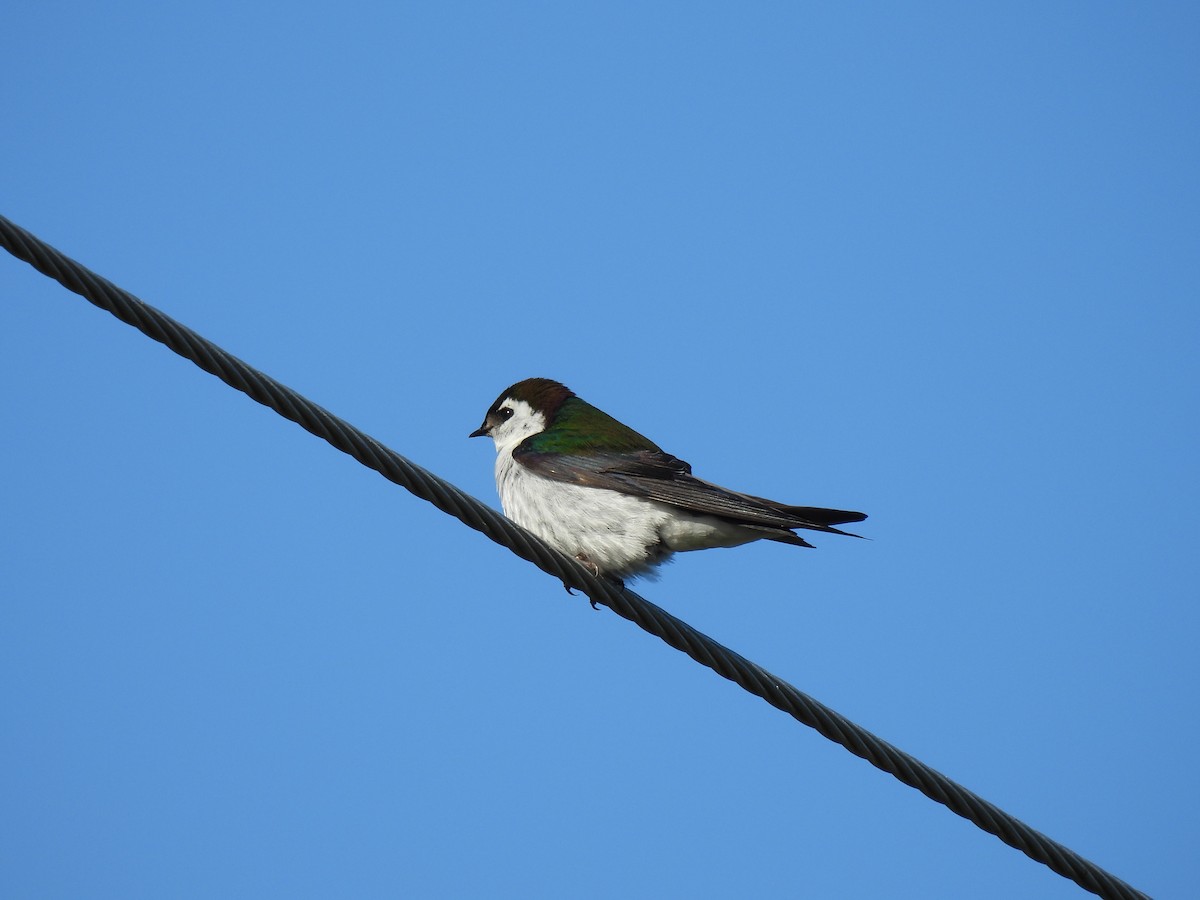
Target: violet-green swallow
611, 498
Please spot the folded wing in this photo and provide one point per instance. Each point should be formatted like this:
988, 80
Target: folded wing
659, 476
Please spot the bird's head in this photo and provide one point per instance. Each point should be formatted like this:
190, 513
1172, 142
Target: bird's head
527, 408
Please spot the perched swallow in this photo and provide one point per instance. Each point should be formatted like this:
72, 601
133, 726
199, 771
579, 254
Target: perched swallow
611, 498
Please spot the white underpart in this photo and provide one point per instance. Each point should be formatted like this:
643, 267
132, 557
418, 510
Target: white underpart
616, 533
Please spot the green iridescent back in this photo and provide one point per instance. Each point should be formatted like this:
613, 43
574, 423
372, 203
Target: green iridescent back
579, 427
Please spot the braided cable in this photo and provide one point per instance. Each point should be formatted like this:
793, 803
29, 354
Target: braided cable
622, 601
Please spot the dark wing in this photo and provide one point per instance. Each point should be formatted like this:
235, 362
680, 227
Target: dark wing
659, 476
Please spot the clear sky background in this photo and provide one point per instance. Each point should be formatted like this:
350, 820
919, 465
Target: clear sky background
935, 261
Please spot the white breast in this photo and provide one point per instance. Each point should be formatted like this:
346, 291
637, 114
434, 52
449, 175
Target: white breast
620, 535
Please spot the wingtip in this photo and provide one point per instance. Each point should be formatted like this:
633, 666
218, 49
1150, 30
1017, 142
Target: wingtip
819, 515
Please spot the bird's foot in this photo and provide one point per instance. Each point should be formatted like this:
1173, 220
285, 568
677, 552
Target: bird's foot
588, 563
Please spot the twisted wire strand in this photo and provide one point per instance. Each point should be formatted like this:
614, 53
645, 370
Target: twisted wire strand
624, 602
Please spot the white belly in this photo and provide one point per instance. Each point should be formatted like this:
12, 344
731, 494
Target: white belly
619, 534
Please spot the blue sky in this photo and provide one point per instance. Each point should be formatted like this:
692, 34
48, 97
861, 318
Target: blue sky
934, 261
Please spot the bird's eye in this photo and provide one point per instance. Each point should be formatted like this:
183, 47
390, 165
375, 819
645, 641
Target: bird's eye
506, 412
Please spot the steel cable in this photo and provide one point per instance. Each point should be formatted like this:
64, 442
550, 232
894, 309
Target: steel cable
622, 601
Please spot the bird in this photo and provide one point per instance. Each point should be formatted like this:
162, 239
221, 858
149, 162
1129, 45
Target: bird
611, 498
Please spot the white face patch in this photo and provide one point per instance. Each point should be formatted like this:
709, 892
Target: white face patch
523, 422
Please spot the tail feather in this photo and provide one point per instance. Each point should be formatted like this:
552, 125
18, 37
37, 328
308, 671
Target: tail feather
786, 537
817, 518
810, 518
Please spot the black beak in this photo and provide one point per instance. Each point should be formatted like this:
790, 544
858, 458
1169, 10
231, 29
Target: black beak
481, 431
